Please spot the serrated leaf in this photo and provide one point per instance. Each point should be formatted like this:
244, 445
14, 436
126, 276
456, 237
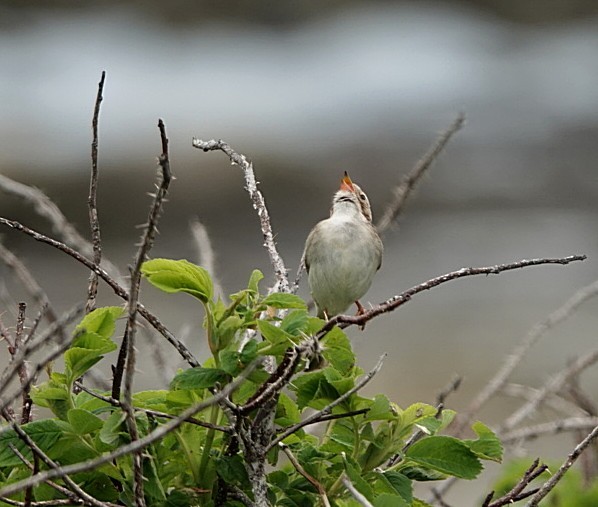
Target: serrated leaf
45, 433
295, 322
179, 276
77, 361
83, 421
287, 412
447, 455
338, 352
199, 378
487, 446
278, 339
380, 409
111, 432
401, 484
284, 300
100, 321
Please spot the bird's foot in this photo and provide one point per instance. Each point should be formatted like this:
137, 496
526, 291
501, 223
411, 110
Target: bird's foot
360, 311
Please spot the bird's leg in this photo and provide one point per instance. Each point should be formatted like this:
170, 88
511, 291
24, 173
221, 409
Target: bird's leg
360, 311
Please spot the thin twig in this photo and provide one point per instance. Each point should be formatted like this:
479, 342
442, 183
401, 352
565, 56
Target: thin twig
552, 386
205, 252
554, 401
118, 289
92, 201
558, 475
515, 357
343, 321
46, 208
23, 373
404, 190
128, 344
549, 428
29, 348
259, 204
155, 435
61, 489
316, 484
517, 493
317, 416
30, 284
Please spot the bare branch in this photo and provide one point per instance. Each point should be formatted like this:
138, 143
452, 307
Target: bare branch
558, 475
552, 386
29, 283
44, 206
343, 321
259, 204
118, 289
515, 357
516, 493
25, 352
92, 200
549, 428
404, 190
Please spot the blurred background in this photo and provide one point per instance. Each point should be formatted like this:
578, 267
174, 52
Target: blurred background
308, 90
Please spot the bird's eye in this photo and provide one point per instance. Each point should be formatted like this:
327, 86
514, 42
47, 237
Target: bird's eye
362, 196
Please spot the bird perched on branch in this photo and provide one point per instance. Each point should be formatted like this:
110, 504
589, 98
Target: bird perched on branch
343, 252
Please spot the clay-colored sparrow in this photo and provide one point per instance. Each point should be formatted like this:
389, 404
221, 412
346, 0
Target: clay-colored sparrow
343, 252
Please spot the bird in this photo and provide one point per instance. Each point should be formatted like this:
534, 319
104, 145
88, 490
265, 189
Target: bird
343, 252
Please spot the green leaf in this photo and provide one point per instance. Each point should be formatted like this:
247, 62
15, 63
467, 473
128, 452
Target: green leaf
254, 280
287, 412
100, 321
354, 475
199, 378
279, 339
380, 409
231, 469
419, 503
388, 500
45, 433
53, 396
487, 446
447, 455
227, 329
401, 484
421, 474
77, 361
179, 276
83, 421
338, 351
313, 390
112, 433
295, 322
284, 300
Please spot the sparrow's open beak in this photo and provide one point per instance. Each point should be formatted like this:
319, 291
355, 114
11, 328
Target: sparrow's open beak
347, 184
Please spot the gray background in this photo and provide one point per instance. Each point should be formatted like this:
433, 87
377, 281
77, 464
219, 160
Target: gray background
306, 92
